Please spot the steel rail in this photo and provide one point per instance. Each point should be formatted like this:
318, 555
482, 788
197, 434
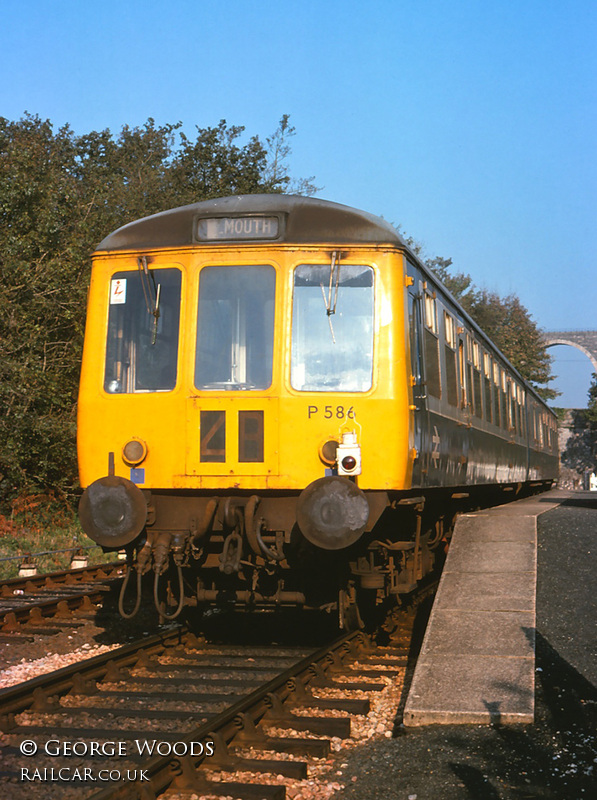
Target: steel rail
28, 601
38, 694
15, 699
273, 701
164, 770
56, 608
49, 580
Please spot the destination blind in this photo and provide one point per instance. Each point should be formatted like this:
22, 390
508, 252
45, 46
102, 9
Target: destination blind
213, 229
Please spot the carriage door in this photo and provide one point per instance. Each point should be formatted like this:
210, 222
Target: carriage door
419, 416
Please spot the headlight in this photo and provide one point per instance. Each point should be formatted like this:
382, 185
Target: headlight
327, 452
134, 452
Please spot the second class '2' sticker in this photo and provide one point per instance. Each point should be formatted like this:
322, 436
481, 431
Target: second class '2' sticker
118, 291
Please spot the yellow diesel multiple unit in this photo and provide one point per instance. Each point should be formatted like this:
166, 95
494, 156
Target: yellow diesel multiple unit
260, 400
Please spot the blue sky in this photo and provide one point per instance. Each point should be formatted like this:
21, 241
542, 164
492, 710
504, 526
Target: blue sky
471, 124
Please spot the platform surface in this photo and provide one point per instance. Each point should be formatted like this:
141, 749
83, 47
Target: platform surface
477, 661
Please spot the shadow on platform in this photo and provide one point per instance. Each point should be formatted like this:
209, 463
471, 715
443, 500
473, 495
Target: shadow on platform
554, 758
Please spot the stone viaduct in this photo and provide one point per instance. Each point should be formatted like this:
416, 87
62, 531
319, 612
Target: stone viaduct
585, 341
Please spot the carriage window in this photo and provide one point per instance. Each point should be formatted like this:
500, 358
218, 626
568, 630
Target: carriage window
143, 323
430, 312
431, 346
450, 358
497, 395
503, 400
511, 395
235, 328
520, 411
332, 328
450, 330
477, 399
539, 418
488, 387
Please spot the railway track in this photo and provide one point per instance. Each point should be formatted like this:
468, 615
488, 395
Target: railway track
65, 578
42, 604
186, 713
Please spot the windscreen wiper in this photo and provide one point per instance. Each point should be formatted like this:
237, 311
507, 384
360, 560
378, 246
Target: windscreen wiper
330, 307
151, 293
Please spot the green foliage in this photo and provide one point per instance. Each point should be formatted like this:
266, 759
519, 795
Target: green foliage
592, 402
507, 323
279, 151
458, 284
60, 194
513, 330
504, 319
43, 526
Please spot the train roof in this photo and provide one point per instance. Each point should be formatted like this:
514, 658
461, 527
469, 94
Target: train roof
300, 220
269, 218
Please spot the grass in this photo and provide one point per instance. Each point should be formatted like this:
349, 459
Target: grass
43, 524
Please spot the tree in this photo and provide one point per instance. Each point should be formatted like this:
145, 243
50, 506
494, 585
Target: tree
592, 402
507, 323
510, 326
40, 300
214, 165
277, 168
60, 194
459, 285
504, 319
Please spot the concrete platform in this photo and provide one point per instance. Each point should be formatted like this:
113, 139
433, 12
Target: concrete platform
477, 661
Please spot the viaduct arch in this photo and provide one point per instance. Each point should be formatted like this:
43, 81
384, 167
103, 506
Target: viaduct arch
585, 341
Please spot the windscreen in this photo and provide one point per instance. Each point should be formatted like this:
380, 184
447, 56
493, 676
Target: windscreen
235, 328
143, 329
332, 328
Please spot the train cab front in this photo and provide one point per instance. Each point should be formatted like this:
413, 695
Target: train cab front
237, 398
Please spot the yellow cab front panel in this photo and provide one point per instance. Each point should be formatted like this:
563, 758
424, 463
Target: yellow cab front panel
245, 362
